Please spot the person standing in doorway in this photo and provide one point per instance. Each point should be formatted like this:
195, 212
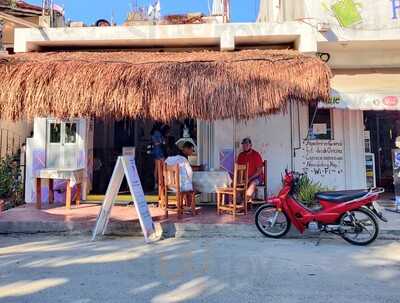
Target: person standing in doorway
158, 150
255, 166
165, 133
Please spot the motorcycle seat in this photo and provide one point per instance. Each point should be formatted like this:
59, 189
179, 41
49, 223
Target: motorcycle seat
341, 196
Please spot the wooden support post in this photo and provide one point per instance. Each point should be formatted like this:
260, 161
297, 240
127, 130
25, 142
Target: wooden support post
78, 194
68, 196
51, 191
38, 193
192, 197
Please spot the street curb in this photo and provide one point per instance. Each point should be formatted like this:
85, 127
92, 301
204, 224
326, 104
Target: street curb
250, 231
164, 229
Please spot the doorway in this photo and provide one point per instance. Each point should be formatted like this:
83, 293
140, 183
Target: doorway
382, 128
110, 137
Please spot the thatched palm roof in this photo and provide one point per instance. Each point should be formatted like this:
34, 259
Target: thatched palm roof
160, 86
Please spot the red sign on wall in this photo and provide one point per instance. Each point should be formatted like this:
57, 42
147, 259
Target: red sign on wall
390, 100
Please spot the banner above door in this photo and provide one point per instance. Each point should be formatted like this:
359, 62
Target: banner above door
365, 90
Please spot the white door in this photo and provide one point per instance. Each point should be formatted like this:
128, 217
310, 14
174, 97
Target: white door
62, 144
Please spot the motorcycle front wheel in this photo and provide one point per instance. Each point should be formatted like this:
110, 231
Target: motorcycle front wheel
271, 222
361, 227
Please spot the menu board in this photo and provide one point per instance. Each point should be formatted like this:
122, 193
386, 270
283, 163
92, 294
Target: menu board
135, 186
125, 166
323, 161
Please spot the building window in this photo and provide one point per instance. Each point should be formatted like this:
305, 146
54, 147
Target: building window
70, 132
55, 132
320, 123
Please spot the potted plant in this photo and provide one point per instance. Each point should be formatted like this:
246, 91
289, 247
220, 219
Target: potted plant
11, 189
306, 191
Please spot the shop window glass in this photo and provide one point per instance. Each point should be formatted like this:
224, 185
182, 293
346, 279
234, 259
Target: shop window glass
55, 132
70, 132
320, 123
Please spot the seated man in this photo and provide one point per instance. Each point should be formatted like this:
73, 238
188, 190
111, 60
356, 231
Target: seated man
185, 170
255, 166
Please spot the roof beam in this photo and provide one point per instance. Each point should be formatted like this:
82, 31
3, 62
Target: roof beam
19, 21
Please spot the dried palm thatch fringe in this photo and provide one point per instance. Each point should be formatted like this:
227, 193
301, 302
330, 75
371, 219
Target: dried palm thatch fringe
159, 86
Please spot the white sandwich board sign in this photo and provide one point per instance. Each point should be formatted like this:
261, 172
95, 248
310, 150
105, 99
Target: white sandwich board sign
125, 166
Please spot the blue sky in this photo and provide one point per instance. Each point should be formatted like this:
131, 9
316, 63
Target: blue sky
91, 10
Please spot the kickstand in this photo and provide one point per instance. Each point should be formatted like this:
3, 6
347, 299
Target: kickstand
394, 210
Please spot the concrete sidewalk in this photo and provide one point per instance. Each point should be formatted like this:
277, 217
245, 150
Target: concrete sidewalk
124, 222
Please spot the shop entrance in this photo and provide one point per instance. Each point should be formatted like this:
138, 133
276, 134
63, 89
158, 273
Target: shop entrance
381, 130
110, 138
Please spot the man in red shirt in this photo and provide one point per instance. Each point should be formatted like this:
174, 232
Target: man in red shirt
255, 165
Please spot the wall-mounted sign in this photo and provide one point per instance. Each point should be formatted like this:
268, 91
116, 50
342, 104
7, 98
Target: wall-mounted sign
320, 129
357, 14
129, 151
323, 161
227, 159
390, 101
346, 11
363, 101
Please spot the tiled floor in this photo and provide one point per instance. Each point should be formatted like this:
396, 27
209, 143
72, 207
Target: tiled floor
88, 213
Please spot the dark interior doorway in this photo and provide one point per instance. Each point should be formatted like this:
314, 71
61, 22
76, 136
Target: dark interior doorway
111, 136
383, 127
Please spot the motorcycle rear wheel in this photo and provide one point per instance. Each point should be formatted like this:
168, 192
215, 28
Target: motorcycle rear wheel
365, 223
264, 217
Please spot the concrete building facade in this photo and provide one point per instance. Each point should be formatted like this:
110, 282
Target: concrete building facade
332, 143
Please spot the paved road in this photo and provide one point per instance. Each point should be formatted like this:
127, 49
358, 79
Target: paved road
74, 270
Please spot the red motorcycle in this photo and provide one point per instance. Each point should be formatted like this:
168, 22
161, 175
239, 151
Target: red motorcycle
351, 214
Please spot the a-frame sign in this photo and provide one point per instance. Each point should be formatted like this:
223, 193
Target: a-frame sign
125, 166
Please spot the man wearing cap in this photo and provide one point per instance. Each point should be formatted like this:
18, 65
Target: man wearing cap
255, 165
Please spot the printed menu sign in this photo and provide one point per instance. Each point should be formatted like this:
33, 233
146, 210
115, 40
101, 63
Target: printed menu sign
323, 161
324, 158
139, 199
125, 166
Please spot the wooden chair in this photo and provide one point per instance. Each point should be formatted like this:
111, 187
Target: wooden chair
240, 181
160, 182
184, 201
264, 187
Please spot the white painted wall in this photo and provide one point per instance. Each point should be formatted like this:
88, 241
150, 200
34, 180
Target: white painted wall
36, 155
223, 35
353, 135
272, 137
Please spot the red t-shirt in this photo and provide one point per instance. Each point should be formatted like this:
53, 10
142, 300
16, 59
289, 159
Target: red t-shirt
252, 158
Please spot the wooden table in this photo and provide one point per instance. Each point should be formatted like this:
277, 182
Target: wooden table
72, 176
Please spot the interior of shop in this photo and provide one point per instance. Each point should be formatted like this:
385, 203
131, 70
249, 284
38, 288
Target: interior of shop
381, 130
113, 138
